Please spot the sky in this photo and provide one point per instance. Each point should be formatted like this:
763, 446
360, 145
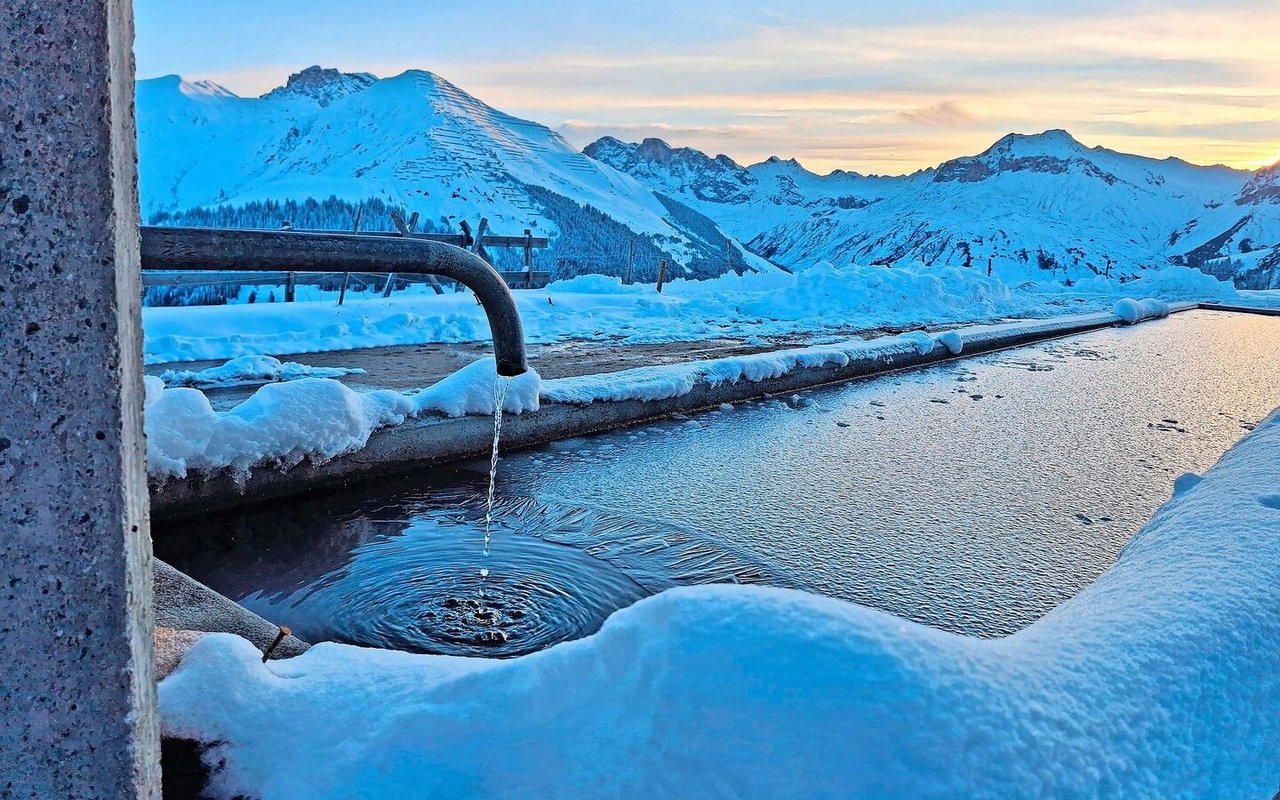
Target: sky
879, 87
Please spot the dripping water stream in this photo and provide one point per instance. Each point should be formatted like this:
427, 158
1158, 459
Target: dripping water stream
501, 386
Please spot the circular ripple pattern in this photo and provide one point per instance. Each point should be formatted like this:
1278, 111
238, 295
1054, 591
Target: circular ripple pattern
422, 591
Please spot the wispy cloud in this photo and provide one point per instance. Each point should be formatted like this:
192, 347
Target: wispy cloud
873, 87
946, 113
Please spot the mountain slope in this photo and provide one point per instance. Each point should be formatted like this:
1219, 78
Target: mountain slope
1032, 201
1239, 239
414, 140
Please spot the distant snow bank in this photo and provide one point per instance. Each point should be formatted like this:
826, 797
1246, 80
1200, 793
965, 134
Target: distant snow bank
822, 298
1160, 680
251, 369
316, 418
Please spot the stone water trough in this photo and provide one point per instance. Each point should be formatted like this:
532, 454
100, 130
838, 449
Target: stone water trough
432, 440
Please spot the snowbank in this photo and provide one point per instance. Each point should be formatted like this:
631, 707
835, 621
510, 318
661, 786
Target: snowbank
953, 341
819, 299
471, 389
1160, 680
1134, 311
251, 369
309, 418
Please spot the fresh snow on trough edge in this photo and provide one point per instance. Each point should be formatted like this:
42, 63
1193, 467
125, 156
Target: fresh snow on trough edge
1160, 680
674, 380
316, 418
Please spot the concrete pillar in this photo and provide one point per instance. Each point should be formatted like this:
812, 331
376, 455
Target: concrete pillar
77, 699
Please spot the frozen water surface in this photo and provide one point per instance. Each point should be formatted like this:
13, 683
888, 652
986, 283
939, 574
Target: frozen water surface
972, 496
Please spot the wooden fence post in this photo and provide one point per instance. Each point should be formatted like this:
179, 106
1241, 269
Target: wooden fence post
346, 276
528, 258
405, 229
662, 271
477, 246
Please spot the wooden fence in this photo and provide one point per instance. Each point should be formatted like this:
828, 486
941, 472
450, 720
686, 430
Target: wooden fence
479, 242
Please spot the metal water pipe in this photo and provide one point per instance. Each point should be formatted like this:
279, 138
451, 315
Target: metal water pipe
224, 249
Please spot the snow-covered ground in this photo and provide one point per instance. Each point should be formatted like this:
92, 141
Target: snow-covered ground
817, 300
1160, 680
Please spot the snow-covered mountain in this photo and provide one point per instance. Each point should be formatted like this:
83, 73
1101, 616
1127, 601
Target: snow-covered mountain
417, 142
413, 141
745, 200
1041, 201
1238, 239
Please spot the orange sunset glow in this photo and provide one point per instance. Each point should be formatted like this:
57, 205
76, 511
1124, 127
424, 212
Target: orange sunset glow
835, 85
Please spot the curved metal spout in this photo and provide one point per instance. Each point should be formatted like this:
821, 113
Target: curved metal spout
247, 251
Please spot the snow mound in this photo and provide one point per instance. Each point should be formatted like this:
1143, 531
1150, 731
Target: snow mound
953, 341
1135, 311
315, 418
1185, 483
308, 418
1160, 680
471, 389
251, 369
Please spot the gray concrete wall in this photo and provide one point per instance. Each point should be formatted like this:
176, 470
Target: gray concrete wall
77, 710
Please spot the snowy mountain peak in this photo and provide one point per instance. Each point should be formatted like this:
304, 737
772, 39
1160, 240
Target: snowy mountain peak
1054, 152
328, 141
1055, 141
610, 150
654, 149
1264, 187
322, 85
207, 88
431, 83
676, 170
778, 167
176, 83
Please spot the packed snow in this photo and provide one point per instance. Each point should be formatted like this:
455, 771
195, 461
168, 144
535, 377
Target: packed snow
251, 369
1160, 680
822, 299
308, 418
